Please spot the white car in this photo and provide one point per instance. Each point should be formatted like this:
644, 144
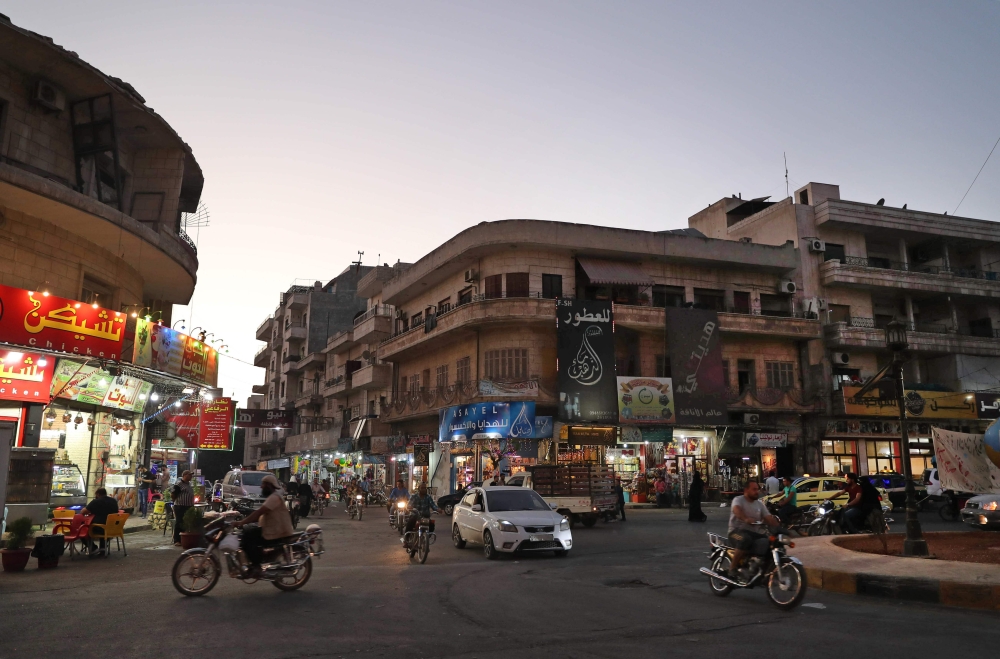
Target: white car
507, 520
239, 484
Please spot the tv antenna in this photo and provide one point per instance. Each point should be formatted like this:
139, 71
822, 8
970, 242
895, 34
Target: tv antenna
358, 262
785, 156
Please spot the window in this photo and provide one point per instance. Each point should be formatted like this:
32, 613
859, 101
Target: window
883, 457
493, 286
840, 313
414, 383
462, 370
662, 367
444, 305
329, 404
779, 375
282, 389
417, 320
517, 284
551, 286
839, 456
774, 305
509, 364
804, 197
95, 146
464, 297
426, 381
95, 292
741, 301
709, 299
745, 376
834, 253
441, 376
668, 296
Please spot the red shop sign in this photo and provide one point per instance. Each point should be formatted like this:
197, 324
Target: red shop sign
216, 428
38, 320
25, 376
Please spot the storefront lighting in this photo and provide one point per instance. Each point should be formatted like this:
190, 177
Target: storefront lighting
154, 396
135, 315
14, 357
177, 404
94, 305
43, 362
76, 306
142, 396
188, 390
45, 293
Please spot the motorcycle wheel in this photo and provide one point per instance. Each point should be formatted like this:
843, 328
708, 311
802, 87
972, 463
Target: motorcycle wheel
948, 512
195, 573
787, 592
720, 566
361, 511
423, 548
296, 581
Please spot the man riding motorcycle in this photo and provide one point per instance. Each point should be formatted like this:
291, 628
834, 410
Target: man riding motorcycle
746, 514
275, 524
787, 504
398, 493
420, 506
863, 498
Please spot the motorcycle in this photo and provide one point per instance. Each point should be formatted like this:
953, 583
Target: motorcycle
292, 503
419, 542
397, 516
288, 565
355, 507
799, 521
319, 504
784, 576
828, 519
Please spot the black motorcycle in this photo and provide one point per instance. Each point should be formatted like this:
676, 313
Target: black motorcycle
783, 576
829, 520
418, 542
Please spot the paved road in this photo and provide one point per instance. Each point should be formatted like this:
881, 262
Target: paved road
627, 589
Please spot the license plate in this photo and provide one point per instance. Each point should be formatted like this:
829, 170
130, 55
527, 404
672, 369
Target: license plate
540, 538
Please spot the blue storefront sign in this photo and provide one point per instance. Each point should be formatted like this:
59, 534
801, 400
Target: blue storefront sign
514, 420
543, 428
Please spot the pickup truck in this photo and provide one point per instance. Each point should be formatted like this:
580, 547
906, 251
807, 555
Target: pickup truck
583, 493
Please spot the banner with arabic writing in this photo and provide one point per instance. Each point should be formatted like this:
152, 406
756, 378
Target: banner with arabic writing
263, 418
160, 348
965, 462
90, 384
881, 401
25, 376
37, 320
645, 400
487, 421
696, 366
587, 386
215, 428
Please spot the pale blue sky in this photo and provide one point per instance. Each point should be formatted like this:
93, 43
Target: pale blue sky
324, 128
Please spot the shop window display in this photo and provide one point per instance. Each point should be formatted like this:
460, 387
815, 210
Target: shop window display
839, 456
884, 457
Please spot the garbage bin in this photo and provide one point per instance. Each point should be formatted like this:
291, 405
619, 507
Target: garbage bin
48, 549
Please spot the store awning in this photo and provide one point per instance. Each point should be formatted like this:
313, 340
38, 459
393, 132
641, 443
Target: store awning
600, 271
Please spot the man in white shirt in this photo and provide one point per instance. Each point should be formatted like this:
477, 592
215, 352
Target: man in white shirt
773, 484
747, 518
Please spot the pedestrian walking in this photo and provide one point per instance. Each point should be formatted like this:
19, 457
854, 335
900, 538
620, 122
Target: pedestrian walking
661, 492
147, 482
620, 492
694, 499
772, 483
183, 498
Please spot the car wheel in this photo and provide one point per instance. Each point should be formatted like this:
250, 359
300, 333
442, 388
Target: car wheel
488, 549
456, 538
449, 509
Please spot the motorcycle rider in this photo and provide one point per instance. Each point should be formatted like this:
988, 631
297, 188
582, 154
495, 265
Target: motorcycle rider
399, 492
745, 519
862, 501
787, 504
274, 526
420, 506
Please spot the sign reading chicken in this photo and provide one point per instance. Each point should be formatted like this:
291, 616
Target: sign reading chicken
25, 376
40, 320
169, 351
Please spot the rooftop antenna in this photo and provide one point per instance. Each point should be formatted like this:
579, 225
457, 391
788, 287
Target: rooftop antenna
785, 156
358, 262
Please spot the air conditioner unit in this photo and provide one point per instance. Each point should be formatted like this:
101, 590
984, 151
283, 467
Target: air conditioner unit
841, 358
786, 286
50, 96
751, 419
471, 276
814, 305
816, 245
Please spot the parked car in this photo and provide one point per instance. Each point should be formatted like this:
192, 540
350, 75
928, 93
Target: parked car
895, 485
812, 490
447, 502
507, 520
239, 484
932, 483
982, 511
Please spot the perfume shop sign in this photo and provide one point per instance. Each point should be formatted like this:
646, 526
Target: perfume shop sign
514, 420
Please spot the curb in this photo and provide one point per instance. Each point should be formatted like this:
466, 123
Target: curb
137, 528
927, 591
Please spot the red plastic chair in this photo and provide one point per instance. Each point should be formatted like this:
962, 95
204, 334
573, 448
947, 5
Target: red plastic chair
79, 530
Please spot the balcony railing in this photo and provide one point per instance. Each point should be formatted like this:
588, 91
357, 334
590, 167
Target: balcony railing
769, 396
187, 241
930, 328
888, 264
479, 297
377, 310
775, 313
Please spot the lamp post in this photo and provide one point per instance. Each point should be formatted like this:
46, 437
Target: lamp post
895, 340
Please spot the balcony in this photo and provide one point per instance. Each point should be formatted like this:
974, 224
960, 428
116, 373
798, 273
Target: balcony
374, 325
373, 376
290, 364
372, 427
336, 387
340, 342
296, 297
295, 332
264, 330
867, 273
261, 358
313, 359
308, 398
934, 339
260, 389
467, 317
732, 322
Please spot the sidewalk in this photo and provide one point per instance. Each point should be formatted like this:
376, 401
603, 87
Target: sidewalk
952, 583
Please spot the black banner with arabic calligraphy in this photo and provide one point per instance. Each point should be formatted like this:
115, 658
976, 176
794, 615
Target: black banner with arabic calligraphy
696, 366
588, 391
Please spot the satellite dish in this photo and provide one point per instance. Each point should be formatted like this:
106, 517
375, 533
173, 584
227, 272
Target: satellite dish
880, 202
366, 355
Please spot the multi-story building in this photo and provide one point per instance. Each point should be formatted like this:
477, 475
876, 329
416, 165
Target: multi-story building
296, 335
481, 307
254, 436
860, 266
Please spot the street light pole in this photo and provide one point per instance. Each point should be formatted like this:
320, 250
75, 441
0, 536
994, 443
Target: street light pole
914, 544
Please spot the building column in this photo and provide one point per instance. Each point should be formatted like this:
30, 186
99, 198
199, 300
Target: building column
904, 254
689, 294
909, 312
954, 314
946, 256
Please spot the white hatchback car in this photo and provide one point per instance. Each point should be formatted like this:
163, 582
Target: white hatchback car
509, 519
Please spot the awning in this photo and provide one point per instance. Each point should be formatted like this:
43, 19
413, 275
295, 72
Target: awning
600, 271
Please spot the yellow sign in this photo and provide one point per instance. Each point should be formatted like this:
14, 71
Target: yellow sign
645, 400
919, 404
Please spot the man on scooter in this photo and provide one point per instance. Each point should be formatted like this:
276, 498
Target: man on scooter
420, 505
747, 515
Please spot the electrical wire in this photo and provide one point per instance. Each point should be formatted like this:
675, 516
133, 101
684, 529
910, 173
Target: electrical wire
977, 175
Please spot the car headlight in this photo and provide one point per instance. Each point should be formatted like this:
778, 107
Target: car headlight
992, 505
506, 526
564, 524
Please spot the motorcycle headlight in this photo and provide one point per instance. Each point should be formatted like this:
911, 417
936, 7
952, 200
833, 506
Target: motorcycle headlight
564, 524
506, 526
401, 505
358, 497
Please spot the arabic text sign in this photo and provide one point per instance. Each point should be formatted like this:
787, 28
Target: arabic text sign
645, 400
765, 439
215, 429
166, 350
919, 404
514, 420
696, 366
30, 318
523, 389
988, 406
263, 418
963, 465
89, 384
25, 376
182, 425
586, 353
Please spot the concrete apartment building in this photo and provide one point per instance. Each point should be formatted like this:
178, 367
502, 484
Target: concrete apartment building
862, 265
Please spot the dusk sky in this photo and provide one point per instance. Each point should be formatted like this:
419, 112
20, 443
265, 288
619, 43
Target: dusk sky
324, 128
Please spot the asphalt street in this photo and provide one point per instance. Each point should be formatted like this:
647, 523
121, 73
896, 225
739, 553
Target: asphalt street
627, 589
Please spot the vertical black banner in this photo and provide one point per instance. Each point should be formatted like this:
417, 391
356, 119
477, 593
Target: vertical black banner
587, 386
696, 366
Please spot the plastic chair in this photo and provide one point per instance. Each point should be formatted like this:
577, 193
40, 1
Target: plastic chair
114, 527
61, 520
79, 529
